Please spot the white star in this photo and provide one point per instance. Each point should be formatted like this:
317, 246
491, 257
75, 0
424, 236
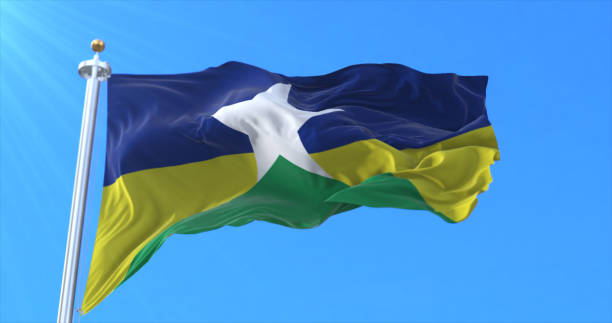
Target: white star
272, 125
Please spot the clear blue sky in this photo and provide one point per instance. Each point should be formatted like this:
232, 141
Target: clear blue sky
538, 247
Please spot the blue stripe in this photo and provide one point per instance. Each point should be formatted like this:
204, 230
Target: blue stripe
165, 120
389, 102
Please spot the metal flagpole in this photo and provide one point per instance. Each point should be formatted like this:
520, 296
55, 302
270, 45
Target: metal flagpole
94, 71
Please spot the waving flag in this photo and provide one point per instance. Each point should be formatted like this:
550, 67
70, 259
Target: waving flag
189, 153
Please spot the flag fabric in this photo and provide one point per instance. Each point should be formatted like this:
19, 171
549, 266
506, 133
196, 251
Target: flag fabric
189, 153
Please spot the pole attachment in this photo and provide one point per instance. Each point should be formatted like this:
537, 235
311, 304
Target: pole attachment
103, 69
94, 71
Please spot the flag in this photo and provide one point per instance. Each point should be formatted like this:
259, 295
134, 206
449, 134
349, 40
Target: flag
189, 153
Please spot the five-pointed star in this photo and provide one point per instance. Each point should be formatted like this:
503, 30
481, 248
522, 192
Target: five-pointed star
272, 125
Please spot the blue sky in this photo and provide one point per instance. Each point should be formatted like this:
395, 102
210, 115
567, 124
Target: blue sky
537, 248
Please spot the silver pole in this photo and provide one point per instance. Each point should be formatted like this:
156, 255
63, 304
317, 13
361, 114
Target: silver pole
94, 71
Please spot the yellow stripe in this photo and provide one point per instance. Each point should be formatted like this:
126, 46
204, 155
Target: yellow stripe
449, 174
140, 205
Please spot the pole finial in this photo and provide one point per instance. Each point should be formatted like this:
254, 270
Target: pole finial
97, 45
102, 69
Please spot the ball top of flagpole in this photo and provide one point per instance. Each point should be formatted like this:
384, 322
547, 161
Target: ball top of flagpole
97, 45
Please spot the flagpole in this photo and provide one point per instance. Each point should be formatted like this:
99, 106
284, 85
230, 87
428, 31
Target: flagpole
94, 71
